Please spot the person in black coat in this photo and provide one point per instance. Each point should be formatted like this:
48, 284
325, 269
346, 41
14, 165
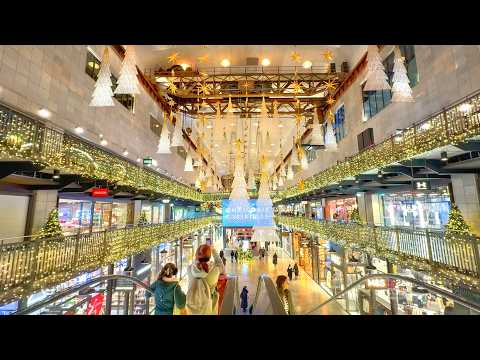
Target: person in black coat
232, 254
236, 256
290, 272
275, 258
244, 299
295, 270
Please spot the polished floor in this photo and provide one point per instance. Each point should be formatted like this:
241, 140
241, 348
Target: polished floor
306, 293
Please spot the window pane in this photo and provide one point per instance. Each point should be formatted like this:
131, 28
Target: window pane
379, 99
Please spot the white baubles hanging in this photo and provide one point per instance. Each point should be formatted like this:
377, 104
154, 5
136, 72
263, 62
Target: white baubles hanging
330, 140
402, 92
376, 77
188, 163
127, 81
177, 136
290, 172
317, 131
164, 142
102, 95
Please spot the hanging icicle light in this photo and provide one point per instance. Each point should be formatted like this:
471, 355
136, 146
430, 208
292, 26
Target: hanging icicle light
402, 92
188, 163
317, 131
376, 77
127, 81
330, 140
294, 161
164, 142
102, 95
177, 136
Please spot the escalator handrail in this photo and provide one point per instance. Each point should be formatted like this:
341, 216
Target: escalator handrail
275, 301
230, 298
434, 289
55, 297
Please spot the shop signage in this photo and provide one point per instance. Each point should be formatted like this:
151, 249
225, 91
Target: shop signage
377, 284
100, 192
95, 305
422, 185
238, 213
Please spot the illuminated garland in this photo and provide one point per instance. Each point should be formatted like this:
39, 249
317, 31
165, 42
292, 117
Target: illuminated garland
449, 127
375, 241
44, 263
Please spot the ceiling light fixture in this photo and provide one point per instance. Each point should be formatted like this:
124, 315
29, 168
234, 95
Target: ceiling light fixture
265, 62
104, 142
125, 152
465, 107
56, 174
307, 64
138, 160
44, 113
444, 156
79, 130
184, 66
225, 63
380, 174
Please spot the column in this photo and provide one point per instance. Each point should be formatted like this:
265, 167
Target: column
466, 193
137, 211
109, 292
41, 203
308, 210
167, 213
370, 207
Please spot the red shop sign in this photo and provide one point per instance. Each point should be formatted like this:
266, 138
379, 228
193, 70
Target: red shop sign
100, 192
95, 305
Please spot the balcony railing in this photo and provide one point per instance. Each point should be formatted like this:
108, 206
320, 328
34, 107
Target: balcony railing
31, 265
426, 250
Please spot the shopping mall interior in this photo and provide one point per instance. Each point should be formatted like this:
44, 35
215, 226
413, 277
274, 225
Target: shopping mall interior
321, 179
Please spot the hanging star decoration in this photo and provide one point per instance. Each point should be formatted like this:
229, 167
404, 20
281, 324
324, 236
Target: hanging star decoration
171, 103
203, 59
295, 56
329, 85
172, 87
173, 58
330, 100
296, 87
205, 89
328, 55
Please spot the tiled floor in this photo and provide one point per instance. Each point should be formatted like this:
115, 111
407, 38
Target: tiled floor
306, 293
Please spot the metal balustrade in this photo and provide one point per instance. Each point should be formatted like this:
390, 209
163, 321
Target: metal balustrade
427, 250
31, 265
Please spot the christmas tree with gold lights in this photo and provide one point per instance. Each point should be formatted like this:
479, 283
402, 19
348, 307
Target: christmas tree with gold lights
456, 225
52, 228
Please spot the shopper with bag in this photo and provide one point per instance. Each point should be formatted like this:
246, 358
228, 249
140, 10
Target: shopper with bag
169, 297
202, 296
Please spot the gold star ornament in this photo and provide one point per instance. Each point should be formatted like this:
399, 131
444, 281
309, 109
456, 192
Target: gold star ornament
171, 103
330, 101
173, 58
296, 87
328, 55
172, 88
295, 56
329, 85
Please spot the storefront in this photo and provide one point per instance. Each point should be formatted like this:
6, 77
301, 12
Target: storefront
422, 209
340, 209
154, 211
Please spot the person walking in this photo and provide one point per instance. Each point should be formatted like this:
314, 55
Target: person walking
202, 297
221, 254
167, 292
224, 261
232, 255
244, 299
275, 259
284, 294
236, 256
295, 270
290, 272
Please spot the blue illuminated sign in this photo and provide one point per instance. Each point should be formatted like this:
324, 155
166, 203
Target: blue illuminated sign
246, 214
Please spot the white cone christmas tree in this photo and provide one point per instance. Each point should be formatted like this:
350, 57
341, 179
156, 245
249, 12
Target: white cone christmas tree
188, 163
102, 95
402, 92
127, 81
251, 180
239, 186
317, 131
177, 136
164, 142
290, 173
294, 160
376, 77
330, 140
303, 158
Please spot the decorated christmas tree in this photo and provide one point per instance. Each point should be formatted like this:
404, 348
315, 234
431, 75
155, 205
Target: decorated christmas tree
143, 219
52, 228
376, 78
355, 217
102, 95
401, 84
456, 224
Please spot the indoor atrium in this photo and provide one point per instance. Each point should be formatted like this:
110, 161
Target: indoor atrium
239, 180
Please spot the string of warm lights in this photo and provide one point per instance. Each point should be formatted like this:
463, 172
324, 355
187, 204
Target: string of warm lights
29, 266
456, 260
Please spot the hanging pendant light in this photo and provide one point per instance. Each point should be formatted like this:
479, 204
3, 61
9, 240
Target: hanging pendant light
188, 163
103, 94
376, 77
330, 140
164, 142
402, 92
127, 81
177, 136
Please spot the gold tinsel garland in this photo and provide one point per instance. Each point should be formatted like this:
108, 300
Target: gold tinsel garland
375, 241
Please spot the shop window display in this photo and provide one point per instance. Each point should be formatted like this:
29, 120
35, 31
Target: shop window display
102, 214
74, 215
340, 209
119, 214
415, 209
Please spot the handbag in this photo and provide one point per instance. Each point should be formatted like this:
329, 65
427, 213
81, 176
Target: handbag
176, 310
